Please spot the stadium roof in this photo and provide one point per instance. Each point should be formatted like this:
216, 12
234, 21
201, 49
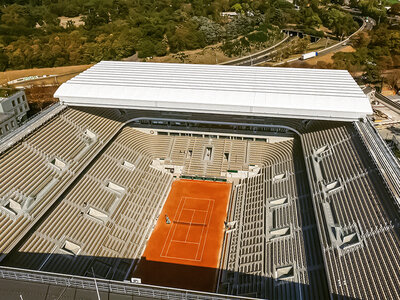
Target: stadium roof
258, 91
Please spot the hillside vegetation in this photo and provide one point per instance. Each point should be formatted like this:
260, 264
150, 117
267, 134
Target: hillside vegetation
375, 55
31, 34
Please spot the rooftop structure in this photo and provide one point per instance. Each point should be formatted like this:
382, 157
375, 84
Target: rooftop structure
267, 92
13, 109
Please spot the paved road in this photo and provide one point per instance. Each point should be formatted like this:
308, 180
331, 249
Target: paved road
339, 46
265, 55
257, 57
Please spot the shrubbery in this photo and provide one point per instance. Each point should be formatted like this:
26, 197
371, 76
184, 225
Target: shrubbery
30, 35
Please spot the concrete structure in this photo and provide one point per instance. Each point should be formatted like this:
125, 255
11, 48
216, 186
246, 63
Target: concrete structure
369, 92
229, 14
315, 215
7, 123
13, 109
217, 89
33, 285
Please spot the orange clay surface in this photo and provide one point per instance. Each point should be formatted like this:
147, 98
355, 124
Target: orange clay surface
186, 253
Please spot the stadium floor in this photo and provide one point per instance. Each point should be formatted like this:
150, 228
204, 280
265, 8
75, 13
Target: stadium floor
189, 247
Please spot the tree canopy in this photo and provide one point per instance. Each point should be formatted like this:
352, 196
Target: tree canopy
31, 35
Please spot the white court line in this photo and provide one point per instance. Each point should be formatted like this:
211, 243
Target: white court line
202, 210
188, 259
176, 241
201, 199
190, 225
205, 239
176, 212
173, 234
202, 237
202, 230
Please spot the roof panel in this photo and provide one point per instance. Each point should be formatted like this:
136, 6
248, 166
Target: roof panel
275, 92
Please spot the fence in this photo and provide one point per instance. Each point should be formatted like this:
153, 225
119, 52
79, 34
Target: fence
109, 286
30, 125
394, 105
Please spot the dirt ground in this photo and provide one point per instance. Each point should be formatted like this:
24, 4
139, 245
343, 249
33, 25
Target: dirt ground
65, 72
76, 20
39, 97
39, 92
208, 55
387, 91
189, 246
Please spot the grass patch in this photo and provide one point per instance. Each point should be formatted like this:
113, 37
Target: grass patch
392, 1
321, 44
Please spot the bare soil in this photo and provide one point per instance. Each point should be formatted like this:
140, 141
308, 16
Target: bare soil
64, 73
76, 20
39, 97
208, 55
189, 246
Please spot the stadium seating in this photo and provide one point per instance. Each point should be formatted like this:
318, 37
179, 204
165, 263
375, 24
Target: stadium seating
271, 249
106, 216
188, 151
318, 216
361, 257
38, 169
109, 213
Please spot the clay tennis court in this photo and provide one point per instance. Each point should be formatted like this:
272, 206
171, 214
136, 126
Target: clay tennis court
186, 252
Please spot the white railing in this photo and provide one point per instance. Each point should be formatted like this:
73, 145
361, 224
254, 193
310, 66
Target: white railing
31, 124
388, 165
109, 286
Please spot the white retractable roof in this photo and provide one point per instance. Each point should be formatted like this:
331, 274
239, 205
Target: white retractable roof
259, 91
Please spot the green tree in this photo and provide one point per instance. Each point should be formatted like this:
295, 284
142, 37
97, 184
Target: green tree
373, 74
17, 15
3, 60
342, 24
186, 36
393, 80
238, 8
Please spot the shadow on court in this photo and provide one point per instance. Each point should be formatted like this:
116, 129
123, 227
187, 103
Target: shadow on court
156, 273
177, 275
